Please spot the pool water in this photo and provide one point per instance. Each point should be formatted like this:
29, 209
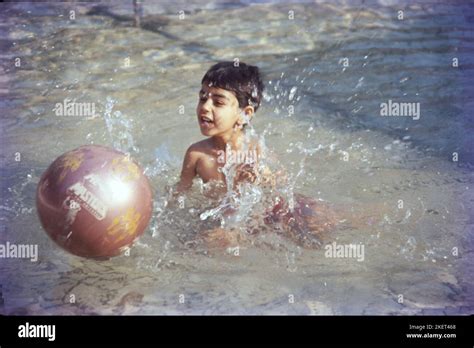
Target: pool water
326, 71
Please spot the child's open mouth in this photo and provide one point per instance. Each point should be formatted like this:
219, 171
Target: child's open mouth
205, 122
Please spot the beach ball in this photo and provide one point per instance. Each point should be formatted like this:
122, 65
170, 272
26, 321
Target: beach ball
94, 201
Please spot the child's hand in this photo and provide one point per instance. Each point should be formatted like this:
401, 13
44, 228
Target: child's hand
245, 173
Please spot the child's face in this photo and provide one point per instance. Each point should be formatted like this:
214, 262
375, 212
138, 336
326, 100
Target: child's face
218, 111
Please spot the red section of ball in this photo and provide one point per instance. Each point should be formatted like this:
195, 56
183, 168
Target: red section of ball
94, 201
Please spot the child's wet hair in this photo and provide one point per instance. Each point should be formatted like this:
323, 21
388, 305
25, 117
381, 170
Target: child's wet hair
242, 79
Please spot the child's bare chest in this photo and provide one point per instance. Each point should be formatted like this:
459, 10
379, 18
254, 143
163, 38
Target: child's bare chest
208, 168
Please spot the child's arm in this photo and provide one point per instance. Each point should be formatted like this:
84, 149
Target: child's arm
188, 171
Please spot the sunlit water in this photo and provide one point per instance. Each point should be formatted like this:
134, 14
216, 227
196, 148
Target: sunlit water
320, 116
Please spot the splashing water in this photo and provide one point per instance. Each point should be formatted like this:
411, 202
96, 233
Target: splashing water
119, 128
410, 251
245, 203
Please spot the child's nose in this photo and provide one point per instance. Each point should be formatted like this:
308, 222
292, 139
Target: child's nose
207, 104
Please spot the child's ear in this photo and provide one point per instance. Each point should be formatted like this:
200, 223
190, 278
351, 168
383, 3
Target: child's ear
245, 116
248, 111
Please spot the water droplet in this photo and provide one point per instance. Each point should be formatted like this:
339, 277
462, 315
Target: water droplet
292, 93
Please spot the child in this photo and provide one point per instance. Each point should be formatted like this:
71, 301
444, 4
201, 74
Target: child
229, 97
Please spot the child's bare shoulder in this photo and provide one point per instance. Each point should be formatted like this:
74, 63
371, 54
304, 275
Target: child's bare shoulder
191, 163
199, 148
